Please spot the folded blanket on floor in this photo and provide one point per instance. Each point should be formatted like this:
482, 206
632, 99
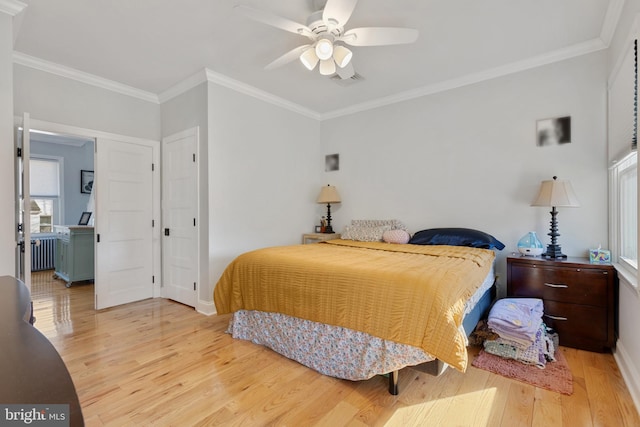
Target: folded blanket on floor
536, 354
517, 319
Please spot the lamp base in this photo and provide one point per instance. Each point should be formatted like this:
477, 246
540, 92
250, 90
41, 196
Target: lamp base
328, 230
553, 251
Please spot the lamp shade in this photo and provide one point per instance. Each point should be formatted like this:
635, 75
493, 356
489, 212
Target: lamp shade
309, 59
327, 67
34, 208
342, 56
328, 194
558, 193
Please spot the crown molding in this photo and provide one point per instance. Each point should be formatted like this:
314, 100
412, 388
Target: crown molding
207, 75
515, 67
183, 86
246, 89
82, 77
614, 11
12, 7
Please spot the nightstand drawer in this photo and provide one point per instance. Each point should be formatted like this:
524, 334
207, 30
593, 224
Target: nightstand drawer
576, 323
571, 285
580, 298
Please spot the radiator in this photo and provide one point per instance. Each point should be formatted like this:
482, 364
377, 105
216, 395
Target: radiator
43, 255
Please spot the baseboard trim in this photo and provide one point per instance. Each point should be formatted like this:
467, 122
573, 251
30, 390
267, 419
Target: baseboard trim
629, 372
208, 308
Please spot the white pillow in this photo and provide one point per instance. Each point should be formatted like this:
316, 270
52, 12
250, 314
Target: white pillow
396, 236
364, 234
394, 223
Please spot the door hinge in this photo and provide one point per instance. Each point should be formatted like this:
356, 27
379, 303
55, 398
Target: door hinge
19, 153
167, 232
153, 223
194, 286
98, 238
153, 167
153, 279
194, 157
194, 222
20, 228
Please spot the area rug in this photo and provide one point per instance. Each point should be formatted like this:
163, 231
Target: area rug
556, 376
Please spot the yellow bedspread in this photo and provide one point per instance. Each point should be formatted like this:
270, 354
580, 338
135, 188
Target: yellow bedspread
405, 293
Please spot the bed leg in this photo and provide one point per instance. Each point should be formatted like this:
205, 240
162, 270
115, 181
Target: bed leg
393, 383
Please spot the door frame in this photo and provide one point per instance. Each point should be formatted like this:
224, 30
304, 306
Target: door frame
22, 178
155, 145
179, 135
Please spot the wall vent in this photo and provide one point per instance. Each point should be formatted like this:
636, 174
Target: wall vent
356, 78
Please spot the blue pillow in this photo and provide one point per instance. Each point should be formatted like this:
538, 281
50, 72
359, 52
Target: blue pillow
456, 237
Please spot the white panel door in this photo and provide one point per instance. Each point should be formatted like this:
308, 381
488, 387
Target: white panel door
124, 213
179, 217
23, 203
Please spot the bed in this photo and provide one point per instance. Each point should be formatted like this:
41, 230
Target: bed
353, 309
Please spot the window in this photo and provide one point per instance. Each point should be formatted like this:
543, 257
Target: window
623, 173
624, 205
45, 193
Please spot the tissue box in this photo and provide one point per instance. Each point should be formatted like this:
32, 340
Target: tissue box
599, 256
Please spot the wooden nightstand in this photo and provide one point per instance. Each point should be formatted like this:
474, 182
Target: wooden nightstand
580, 299
318, 237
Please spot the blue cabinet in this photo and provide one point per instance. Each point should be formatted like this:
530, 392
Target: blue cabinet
74, 253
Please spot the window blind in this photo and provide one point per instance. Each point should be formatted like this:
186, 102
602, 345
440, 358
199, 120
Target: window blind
623, 103
45, 178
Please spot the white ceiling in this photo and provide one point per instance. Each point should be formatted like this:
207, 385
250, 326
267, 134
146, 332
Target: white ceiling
153, 45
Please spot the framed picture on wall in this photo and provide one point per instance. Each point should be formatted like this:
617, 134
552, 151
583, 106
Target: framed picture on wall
553, 131
332, 162
86, 181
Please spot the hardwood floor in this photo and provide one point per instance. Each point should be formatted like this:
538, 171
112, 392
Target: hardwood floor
159, 363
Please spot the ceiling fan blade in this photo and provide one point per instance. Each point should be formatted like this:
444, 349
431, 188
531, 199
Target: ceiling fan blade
274, 20
347, 72
292, 55
338, 10
379, 36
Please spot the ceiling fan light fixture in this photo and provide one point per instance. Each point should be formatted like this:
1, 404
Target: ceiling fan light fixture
342, 56
324, 49
327, 67
309, 59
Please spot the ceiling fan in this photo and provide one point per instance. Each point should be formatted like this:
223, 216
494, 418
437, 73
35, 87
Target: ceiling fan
327, 35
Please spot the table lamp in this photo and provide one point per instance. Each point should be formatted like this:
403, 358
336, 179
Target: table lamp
328, 195
554, 193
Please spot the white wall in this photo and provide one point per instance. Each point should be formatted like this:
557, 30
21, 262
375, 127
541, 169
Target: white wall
468, 157
264, 176
186, 111
75, 160
628, 349
7, 207
61, 100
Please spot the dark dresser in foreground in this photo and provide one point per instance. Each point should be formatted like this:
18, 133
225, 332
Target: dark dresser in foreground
580, 299
31, 370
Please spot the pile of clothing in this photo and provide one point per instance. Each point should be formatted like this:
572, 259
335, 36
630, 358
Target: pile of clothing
520, 332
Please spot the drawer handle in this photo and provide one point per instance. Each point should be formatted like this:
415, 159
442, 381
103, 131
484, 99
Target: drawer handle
555, 317
552, 285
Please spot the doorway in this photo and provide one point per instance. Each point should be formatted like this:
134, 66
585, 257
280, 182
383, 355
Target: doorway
62, 208
131, 249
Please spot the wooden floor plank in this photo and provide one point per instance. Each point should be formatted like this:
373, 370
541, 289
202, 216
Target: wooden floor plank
519, 408
602, 402
159, 363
